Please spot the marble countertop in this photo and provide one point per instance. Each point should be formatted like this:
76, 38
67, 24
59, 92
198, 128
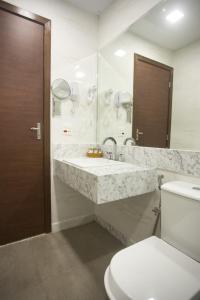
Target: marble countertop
105, 181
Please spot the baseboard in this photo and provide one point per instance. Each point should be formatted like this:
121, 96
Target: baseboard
73, 222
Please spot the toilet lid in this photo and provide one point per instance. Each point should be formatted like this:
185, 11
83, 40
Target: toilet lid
153, 270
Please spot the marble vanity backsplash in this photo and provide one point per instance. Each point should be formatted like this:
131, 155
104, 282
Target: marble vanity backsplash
179, 161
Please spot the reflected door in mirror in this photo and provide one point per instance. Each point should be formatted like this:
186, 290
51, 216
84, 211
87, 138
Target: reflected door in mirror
152, 102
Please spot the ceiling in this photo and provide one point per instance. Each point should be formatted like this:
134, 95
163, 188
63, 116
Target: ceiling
155, 28
92, 6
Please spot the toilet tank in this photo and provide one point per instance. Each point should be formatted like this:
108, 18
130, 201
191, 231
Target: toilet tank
180, 217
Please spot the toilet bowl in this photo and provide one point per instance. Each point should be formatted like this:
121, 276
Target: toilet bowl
166, 268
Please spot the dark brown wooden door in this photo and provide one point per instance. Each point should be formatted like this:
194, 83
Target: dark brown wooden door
22, 155
152, 103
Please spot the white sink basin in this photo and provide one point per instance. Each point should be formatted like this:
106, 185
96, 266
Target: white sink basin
86, 162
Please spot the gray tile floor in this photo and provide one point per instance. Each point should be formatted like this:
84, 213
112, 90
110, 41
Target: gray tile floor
68, 265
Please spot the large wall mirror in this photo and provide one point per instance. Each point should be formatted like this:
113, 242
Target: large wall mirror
149, 79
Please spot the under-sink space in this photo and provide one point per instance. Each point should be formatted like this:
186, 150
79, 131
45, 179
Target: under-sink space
102, 180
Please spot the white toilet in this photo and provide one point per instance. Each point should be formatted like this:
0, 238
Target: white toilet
167, 268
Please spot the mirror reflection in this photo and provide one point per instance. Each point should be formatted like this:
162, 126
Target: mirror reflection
148, 81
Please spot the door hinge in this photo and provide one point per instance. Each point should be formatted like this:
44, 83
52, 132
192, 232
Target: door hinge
170, 85
167, 137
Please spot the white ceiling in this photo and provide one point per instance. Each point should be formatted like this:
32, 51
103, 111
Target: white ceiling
93, 6
155, 28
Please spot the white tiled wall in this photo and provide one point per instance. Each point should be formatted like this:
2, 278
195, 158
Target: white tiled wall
81, 122
185, 133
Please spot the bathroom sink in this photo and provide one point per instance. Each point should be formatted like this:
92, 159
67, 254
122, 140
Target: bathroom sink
102, 180
86, 162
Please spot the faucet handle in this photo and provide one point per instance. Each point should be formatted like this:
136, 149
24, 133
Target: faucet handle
109, 154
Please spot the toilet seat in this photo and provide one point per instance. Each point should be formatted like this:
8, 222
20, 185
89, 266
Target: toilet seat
152, 270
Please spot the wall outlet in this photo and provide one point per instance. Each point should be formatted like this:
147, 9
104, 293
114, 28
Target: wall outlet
67, 132
121, 134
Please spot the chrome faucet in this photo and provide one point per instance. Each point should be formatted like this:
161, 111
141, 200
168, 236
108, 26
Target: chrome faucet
133, 142
110, 138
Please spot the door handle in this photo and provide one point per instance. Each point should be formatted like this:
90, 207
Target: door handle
138, 133
38, 130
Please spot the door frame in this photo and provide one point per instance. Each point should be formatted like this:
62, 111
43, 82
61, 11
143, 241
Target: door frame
46, 23
138, 57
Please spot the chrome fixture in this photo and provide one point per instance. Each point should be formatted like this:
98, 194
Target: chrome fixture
60, 89
124, 100
110, 138
157, 210
109, 155
133, 142
38, 130
160, 180
138, 133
